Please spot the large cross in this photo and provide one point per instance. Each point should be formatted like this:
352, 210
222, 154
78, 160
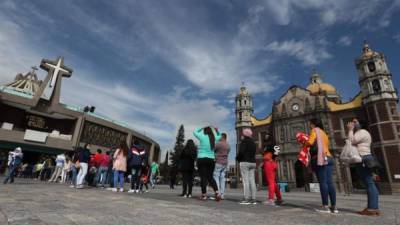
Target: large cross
55, 69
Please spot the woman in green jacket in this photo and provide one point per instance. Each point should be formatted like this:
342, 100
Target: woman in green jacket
206, 159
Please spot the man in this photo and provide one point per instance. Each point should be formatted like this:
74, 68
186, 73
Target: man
222, 150
14, 161
103, 168
154, 173
84, 157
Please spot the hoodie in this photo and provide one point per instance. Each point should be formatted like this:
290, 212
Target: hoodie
137, 156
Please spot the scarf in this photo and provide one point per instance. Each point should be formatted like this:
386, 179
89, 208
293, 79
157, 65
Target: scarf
321, 160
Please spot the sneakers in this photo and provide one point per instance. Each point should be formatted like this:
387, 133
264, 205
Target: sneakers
188, 196
72, 186
114, 190
211, 198
253, 202
334, 210
370, 212
131, 191
121, 190
279, 202
269, 202
137, 191
323, 209
203, 198
79, 187
245, 202
217, 197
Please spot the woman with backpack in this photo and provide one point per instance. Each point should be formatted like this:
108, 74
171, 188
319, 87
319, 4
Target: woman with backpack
206, 159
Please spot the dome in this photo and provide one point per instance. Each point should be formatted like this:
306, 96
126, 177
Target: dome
317, 85
322, 87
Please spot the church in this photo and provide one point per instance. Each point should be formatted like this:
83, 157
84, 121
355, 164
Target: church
33, 118
376, 107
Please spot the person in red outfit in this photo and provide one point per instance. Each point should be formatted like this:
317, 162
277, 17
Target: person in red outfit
270, 167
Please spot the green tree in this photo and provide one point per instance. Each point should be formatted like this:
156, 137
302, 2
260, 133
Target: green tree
179, 145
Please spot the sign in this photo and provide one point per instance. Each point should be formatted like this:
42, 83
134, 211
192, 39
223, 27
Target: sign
314, 187
397, 176
36, 136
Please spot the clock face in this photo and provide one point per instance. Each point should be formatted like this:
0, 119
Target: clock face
295, 107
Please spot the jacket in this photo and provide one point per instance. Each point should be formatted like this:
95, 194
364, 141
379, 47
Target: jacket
119, 161
247, 151
204, 150
222, 150
137, 156
84, 155
186, 160
362, 140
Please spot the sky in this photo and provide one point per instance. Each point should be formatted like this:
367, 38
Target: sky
157, 64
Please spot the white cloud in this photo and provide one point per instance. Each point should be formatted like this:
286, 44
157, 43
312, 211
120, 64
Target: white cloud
345, 40
397, 38
385, 20
308, 52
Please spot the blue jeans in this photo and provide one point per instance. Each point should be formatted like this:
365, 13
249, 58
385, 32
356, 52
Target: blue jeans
327, 189
219, 177
74, 174
365, 174
120, 175
101, 175
135, 177
153, 179
11, 174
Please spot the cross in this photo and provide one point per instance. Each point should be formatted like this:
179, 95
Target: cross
57, 68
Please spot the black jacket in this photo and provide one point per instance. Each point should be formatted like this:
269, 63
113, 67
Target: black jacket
186, 160
84, 155
247, 151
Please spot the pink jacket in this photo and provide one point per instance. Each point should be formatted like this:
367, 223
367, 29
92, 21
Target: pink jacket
119, 161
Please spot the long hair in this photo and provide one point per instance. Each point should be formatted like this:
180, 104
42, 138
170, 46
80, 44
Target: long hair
190, 147
124, 147
208, 131
317, 123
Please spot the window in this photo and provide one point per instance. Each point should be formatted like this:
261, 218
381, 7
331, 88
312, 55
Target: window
240, 116
245, 102
371, 66
376, 86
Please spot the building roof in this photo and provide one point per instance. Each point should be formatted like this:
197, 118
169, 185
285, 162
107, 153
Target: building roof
262, 122
318, 86
354, 103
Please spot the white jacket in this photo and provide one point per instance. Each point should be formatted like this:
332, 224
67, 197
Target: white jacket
362, 140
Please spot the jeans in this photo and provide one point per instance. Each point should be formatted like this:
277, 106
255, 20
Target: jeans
57, 172
135, 177
206, 170
82, 173
249, 182
101, 175
74, 174
11, 173
327, 189
187, 178
119, 175
365, 174
219, 177
153, 179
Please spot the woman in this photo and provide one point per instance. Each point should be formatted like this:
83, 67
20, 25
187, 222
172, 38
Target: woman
362, 140
119, 167
84, 157
186, 166
205, 159
322, 164
247, 162
60, 161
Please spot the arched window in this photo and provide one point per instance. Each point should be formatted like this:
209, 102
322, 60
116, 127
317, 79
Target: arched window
376, 86
245, 102
371, 66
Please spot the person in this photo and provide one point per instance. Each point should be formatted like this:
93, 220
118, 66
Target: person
84, 157
247, 162
60, 161
361, 138
270, 168
66, 169
322, 164
119, 167
173, 172
205, 159
222, 149
144, 178
154, 173
14, 161
75, 167
187, 159
103, 168
136, 160
110, 171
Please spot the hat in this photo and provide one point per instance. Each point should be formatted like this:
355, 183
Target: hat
247, 132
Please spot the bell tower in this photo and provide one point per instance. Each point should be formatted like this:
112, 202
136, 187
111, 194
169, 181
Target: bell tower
380, 103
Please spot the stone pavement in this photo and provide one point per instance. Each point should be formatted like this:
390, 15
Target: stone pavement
36, 203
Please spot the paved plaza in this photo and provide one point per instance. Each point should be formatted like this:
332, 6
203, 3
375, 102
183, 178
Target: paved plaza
36, 203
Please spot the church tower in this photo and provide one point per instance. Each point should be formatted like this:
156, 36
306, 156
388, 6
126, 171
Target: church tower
380, 103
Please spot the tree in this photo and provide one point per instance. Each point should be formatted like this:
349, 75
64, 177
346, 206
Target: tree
164, 168
179, 145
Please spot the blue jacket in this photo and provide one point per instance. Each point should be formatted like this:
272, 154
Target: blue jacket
204, 150
136, 156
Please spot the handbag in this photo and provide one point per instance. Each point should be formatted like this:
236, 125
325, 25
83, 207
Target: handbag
371, 162
349, 154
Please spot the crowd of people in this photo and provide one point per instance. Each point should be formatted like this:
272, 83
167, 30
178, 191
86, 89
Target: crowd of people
112, 168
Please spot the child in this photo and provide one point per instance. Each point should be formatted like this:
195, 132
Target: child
144, 179
270, 167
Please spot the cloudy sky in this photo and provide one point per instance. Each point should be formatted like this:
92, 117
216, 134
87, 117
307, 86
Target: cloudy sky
158, 64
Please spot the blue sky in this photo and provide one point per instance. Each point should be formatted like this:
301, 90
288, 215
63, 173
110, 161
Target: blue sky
158, 64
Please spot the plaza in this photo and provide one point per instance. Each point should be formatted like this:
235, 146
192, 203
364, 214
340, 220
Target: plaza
35, 203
